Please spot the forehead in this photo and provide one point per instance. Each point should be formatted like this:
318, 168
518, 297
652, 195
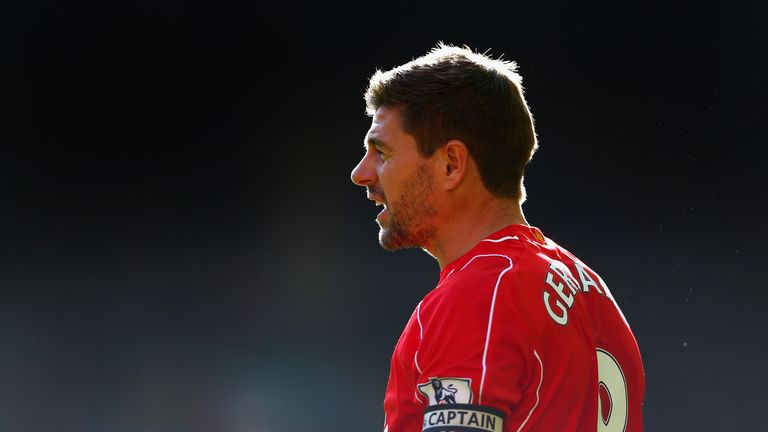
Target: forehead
385, 126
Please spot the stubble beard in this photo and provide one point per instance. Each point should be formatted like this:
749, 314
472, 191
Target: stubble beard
409, 223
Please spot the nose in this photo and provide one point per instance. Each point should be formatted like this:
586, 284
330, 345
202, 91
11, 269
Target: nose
363, 174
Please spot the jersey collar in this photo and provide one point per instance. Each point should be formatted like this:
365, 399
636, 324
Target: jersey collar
525, 233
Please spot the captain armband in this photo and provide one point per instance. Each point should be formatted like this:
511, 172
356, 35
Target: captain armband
462, 417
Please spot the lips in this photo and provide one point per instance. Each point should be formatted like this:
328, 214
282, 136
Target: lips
382, 216
376, 197
380, 201
384, 212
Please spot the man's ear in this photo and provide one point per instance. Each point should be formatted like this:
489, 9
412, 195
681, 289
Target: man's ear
454, 162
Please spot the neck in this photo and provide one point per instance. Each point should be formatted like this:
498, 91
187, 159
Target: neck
467, 226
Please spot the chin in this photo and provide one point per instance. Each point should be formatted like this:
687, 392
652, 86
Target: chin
386, 241
391, 241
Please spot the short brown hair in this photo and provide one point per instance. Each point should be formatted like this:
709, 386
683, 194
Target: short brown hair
456, 93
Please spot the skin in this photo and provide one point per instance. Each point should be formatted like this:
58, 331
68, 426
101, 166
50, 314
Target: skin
437, 203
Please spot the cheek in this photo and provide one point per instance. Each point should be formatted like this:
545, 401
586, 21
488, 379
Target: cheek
388, 182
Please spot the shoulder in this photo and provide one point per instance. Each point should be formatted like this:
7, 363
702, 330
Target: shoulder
477, 271
468, 290
476, 281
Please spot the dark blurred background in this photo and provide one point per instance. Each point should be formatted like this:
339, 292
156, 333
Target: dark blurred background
182, 249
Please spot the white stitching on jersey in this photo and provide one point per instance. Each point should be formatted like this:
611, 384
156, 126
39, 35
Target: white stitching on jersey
418, 318
421, 336
416, 354
486, 240
416, 361
502, 239
490, 315
419, 396
485, 255
537, 391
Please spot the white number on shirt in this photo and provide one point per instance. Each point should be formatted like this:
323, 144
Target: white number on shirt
612, 394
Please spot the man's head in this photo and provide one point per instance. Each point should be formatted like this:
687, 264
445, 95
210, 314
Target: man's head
438, 122
455, 93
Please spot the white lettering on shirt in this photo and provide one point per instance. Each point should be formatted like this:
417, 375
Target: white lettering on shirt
560, 281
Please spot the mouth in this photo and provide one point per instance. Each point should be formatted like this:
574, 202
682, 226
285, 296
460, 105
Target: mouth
384, 211
383, 215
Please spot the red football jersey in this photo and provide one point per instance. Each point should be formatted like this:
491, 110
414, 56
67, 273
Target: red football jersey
518, 335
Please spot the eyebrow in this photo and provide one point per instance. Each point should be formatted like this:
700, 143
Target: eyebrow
375, 142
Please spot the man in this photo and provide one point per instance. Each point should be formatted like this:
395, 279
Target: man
519, 334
